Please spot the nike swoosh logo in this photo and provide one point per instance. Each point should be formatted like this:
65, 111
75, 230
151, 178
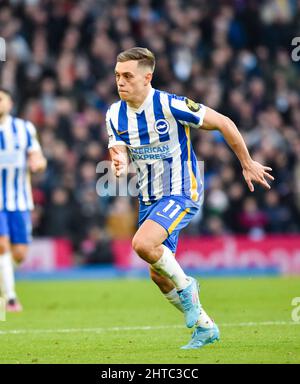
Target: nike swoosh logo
121, 133
159, 214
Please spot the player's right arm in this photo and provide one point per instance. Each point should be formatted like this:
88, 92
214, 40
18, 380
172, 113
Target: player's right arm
119, 158
117, 149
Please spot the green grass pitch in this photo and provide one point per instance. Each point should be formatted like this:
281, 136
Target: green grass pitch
129, 321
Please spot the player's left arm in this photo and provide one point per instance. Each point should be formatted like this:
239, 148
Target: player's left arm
253, 171
36, 161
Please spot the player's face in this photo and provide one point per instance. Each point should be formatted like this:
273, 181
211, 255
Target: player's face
5, 104
131, 80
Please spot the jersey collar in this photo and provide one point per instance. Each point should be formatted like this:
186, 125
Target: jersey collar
145, 103
6, 122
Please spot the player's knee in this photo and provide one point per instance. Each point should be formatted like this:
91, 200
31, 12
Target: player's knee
19, 255
138, 246
3, 249
4, 246
141, 247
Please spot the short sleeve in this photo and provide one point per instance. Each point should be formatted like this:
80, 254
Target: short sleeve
113, 137
32, 140
187, 111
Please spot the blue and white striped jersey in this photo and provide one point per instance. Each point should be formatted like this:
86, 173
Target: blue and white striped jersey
157, 136
17, 139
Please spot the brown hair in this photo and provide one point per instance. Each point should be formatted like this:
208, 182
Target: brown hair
143, 55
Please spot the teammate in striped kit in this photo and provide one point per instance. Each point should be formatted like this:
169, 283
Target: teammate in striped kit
153, 128
20, 153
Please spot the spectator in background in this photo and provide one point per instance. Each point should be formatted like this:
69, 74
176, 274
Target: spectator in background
121, 219
278, 215
59, 216
96, 248
236, 195
251, 219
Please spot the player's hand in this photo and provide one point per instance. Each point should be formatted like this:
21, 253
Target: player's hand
118, 169
258, 173
119, 162
36, 162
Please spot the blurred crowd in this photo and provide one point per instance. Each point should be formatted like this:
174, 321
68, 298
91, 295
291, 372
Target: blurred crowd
234, 56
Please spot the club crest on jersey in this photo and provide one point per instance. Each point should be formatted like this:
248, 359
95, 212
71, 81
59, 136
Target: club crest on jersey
194, 107
162, 126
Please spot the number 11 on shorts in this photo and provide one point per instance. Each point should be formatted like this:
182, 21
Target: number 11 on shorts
173, 213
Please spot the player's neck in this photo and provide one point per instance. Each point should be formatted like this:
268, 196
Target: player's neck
140, 99
3, 117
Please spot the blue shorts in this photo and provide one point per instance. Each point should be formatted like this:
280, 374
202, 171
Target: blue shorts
173, 213
16, 225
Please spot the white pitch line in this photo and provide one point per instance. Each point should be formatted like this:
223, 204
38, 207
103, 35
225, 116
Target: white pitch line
137, 328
